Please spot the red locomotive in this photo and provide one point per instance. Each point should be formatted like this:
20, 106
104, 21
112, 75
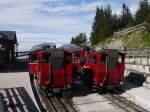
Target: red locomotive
55, 70
104, 68
54, 67
77, 55
33, 56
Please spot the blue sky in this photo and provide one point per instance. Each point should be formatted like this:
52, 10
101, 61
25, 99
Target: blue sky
37, 21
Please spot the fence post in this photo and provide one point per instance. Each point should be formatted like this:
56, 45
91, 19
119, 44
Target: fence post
147, 55
133, 55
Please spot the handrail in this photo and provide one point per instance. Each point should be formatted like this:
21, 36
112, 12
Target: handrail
129, 30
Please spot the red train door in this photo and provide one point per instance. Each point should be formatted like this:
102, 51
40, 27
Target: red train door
113, 74
61, 68
33, 61
121, 67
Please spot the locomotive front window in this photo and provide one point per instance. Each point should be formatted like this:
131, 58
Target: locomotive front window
33, 58
90, 59
77, 57
45, 58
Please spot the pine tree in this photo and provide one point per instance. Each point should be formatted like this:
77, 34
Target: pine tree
142, 12
148, 23
108, 22
126, 18
79, 39
103, 25
115, 22
95, 28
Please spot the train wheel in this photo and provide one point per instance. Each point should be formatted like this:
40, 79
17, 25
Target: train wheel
66, 93
101, 90
120, 88
50, 95
75, 70
88, 77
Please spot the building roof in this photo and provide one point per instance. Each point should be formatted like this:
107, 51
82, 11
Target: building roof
10, 35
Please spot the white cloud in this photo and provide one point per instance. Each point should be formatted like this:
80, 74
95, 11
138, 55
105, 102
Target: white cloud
27, 14
27, 40
83, 7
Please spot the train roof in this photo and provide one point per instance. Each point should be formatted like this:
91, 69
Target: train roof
48, 50
43, 46
71, 47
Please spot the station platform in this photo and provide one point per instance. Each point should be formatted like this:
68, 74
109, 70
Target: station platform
16, 92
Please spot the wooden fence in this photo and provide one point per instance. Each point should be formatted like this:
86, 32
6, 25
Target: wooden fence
140, 52
129, 30
23, 53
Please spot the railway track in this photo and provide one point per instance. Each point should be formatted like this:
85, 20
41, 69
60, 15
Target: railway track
58, 104
52, 104
123, 103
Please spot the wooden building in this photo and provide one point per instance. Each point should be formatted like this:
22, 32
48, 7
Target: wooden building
8, 43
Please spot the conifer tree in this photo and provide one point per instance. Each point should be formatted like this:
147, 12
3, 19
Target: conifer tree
96, 25
126, 18
79, 39
142, 12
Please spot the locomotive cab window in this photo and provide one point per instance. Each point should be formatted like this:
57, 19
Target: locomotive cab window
89, 59
45, 58
33, 58
94, 59
103, 59
68, 58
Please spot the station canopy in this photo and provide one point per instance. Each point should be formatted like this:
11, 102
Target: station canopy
43, 46
71, 47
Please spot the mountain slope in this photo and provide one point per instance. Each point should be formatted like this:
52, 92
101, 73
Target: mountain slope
137, 39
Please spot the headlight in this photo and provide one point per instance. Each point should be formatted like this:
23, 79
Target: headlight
68, 86
86, 66
121, 83
100, 84
119, 59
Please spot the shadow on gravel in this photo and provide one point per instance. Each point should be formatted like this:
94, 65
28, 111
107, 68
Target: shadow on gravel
21, 65
80, 89
134, 80
15, 99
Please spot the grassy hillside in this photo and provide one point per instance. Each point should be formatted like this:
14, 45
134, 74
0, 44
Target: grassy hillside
137, 39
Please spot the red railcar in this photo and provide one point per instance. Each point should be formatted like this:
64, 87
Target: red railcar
55, 70
115, 67
104, 68
33, 62
33, 56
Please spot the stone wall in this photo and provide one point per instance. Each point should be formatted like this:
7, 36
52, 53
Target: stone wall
136, 66
141, 65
